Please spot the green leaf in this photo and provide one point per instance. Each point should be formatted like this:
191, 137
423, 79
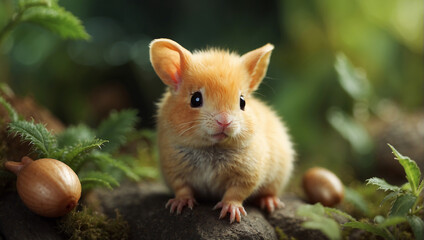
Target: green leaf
413, 173
328, 226
370, 228
389, 197
57, 20
317, 219
74, 135
36, 134
421, 187
106, 158
23, 4
12, 113
311, 210
391, 221
74, 151
382, 184
99, 178
353, 81
329, 211
417, 226
402, 205
351, 130
116, 128
356, 199
406, 187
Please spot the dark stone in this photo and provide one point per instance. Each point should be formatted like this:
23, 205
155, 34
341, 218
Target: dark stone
144, 209
18, 222
406, 134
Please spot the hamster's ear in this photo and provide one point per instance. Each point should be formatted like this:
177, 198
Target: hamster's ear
169, 60
256, 62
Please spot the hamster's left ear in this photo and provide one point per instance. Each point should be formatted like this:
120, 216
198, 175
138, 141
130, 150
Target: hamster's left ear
256, 62
169, 60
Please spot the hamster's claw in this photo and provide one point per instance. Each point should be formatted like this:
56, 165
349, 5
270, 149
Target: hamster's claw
235, 210
179, 203
270, 203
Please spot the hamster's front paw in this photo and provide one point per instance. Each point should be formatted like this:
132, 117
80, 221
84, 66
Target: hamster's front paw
234, 208
270, 203
180, 203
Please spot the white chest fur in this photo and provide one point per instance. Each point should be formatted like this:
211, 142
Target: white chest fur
208, 165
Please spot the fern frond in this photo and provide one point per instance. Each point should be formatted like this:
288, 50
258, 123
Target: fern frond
116, 128
12, 113
74, 135
106, 159
57, 20
71, 153
98, 178
37, 135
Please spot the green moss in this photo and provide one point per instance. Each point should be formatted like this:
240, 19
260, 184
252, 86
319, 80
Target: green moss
281, 235
402, 231
88, 224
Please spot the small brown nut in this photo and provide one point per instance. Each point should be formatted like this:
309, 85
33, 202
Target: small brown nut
47, 187
321, 185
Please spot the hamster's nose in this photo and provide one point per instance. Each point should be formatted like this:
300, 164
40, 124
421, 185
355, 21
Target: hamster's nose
223, 124
223, 120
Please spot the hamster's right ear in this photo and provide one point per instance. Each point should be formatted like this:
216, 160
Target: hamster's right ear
169, 60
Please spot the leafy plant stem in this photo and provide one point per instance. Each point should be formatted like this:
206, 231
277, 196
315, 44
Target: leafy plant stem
418, 209
415, 208
16, 18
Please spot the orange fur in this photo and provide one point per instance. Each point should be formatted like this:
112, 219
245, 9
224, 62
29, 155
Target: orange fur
254, 160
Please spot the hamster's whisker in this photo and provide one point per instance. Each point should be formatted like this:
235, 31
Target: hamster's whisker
239, 137
194, 122
186, 130
187, 123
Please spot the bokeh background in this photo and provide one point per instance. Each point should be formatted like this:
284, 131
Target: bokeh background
346, 76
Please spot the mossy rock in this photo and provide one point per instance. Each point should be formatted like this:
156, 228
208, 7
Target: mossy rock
143, 206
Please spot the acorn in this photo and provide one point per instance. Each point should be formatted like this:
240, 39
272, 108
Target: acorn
321, 185
46, 186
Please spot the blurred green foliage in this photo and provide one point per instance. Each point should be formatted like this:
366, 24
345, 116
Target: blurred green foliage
81, 81
47, 14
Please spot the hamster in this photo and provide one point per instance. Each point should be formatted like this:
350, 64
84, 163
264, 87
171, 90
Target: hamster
216, 140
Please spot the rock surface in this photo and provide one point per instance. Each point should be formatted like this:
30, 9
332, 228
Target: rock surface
18, 222
143, 207
148, 218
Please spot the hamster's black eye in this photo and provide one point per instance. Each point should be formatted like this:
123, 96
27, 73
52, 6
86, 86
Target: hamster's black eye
196, 100
242, 103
